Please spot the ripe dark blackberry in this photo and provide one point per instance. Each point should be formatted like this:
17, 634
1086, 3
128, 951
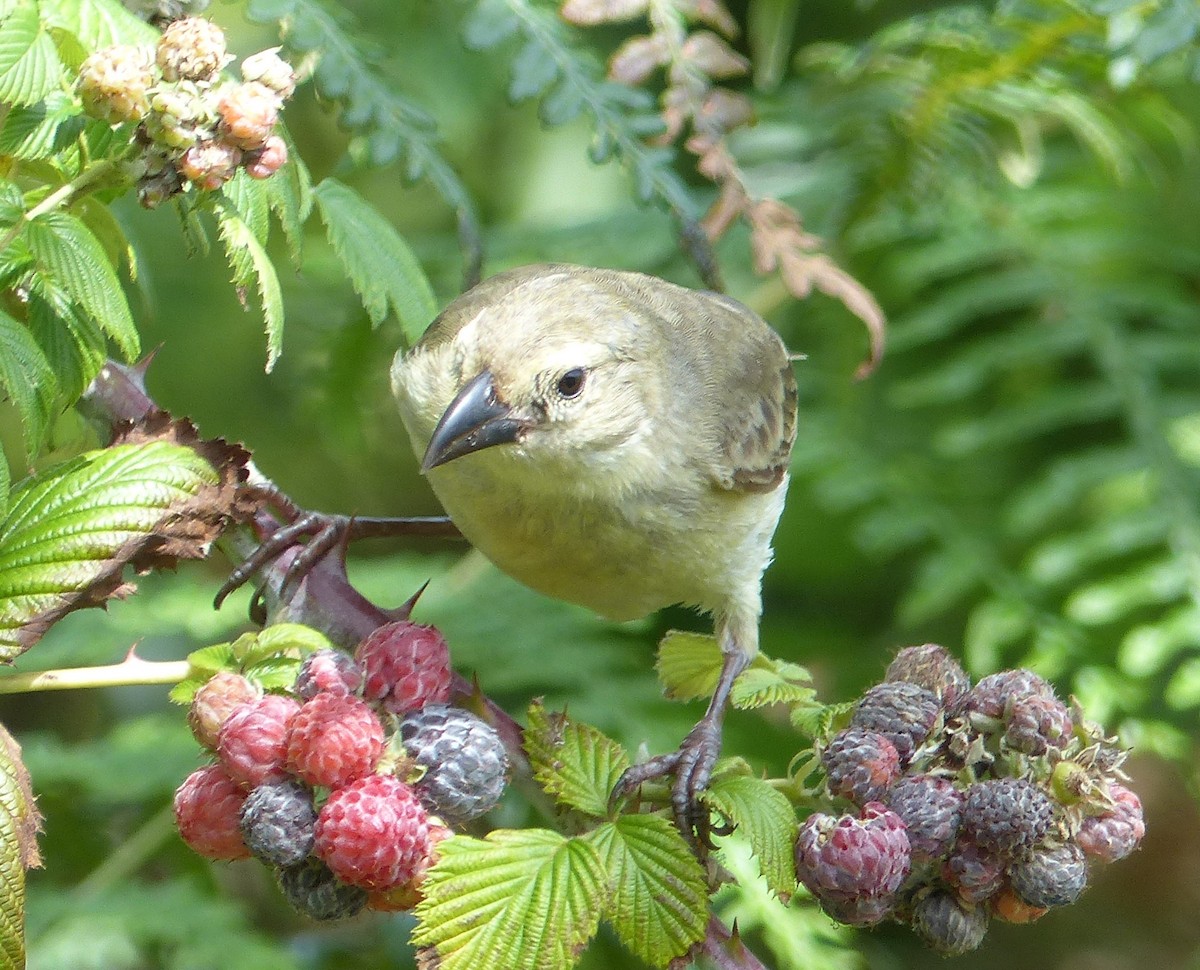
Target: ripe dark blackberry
903, 713
373, 833
974, 873
216, 699
1116, 833
860, 765
252, 743
931, 808
991, 696
333, 740
277, 823
312, 889
931, 666
947, 925
405, 666
1034, 723
1008, 816
1050, 876
464, 761
207, 806
854, 866
328, 671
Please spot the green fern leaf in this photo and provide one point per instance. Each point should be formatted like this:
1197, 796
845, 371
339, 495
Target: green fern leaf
659, 904
489, 24
29, 65
70, 531
252, 266
26, 377
529, 899
766, 818
573, 762
382, 268
75, 262
532, 73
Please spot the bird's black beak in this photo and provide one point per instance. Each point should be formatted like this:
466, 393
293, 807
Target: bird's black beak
476, 419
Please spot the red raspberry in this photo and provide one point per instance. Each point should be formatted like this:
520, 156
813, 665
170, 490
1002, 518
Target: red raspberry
992, 695
374, 833
264, 162
252, 744
860, 765
406, 896
405, 666
212, 704
207, 807
332, 671
334, 739
1115, 834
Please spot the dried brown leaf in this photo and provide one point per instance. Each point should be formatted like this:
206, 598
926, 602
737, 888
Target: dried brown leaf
586, 13
711, 12
637, 58
712, 55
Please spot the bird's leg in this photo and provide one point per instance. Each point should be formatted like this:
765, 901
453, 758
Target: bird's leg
692, 764
324, 532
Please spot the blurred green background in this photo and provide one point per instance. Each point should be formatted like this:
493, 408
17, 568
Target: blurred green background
1017, 183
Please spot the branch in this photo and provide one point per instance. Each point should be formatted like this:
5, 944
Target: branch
132, 670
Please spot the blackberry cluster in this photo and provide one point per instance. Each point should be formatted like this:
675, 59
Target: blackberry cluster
346, 784
193, 126
969, 803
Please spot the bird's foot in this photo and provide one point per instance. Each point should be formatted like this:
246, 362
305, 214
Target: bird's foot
690, 767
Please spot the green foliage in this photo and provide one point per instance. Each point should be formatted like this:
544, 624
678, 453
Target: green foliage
19, 823
269, 658
765, 818
573, 762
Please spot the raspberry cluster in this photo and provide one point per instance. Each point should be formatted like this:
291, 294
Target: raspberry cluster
193, 126
971, 803
346, 784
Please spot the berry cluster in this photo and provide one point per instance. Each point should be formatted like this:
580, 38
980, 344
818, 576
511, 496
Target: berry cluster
971, 803
193, 126
346, 785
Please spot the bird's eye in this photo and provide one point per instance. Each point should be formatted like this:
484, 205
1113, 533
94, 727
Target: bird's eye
571, 383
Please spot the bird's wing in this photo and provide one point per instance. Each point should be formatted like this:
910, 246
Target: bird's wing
756, 416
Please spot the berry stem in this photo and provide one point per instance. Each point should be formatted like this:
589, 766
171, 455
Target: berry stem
130, 671
59, 197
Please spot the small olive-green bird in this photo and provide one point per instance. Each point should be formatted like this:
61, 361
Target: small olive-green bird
617, 441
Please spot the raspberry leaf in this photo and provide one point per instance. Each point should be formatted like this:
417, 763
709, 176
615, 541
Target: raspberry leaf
252, 266
27, 380
766, 819
290, 196
659, 903
30, 67
268, 658
381, 266
530, 898
19, 825
688, 664
573, 762
770, 681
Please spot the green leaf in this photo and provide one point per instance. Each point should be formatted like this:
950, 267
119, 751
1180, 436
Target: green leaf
766, 818
290, 196
71, 530
532, 72
564, 103
72, 342
251, 265
268, 658
659, 904
770, 681
249, 197
528, 899
573, 762
19, 825
383, 270
688, 665
489, 23
38, 131
817, 720
26, 377
74, 260
97, 23
29, 65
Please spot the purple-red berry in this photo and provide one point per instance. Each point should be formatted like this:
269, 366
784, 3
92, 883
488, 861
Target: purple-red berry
207, 808
860, 765
252, 743
405, 666
334, 739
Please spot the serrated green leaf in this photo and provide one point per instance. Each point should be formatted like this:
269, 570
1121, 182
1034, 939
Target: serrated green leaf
489, 23
659, 903
70, 530
19, 825
269, 658
249, 198
74, 261
40, 130
26, 378
688, 664
99, 218
72, 343
251, 265
383, 270
532, 72
290, 196
29, 64
573, 762
97, 23
525, 899
766, 818
770, 681
817, 720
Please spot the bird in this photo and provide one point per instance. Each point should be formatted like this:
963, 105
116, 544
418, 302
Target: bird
618, 441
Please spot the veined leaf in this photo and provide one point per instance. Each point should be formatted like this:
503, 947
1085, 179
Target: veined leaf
72, 342
39, 130
249, 197
527, 899
659, 905
766, 818
75, 261
688, 664
26, 377
290, 196
251, 264
383, 270
29, 65
70, 531
573, 762
269, 658
97, 23
19, 825
770, 681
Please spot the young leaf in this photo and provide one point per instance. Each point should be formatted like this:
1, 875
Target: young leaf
26, 378
39, 130
532, 72
29, 65
489, 23
19, 825
573, 762
766, 818
71, 530
530, 898
251, 264
72, 259
290, 196
381, 267
659, 905
269, 658
97, 23
770, 681
688, 664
